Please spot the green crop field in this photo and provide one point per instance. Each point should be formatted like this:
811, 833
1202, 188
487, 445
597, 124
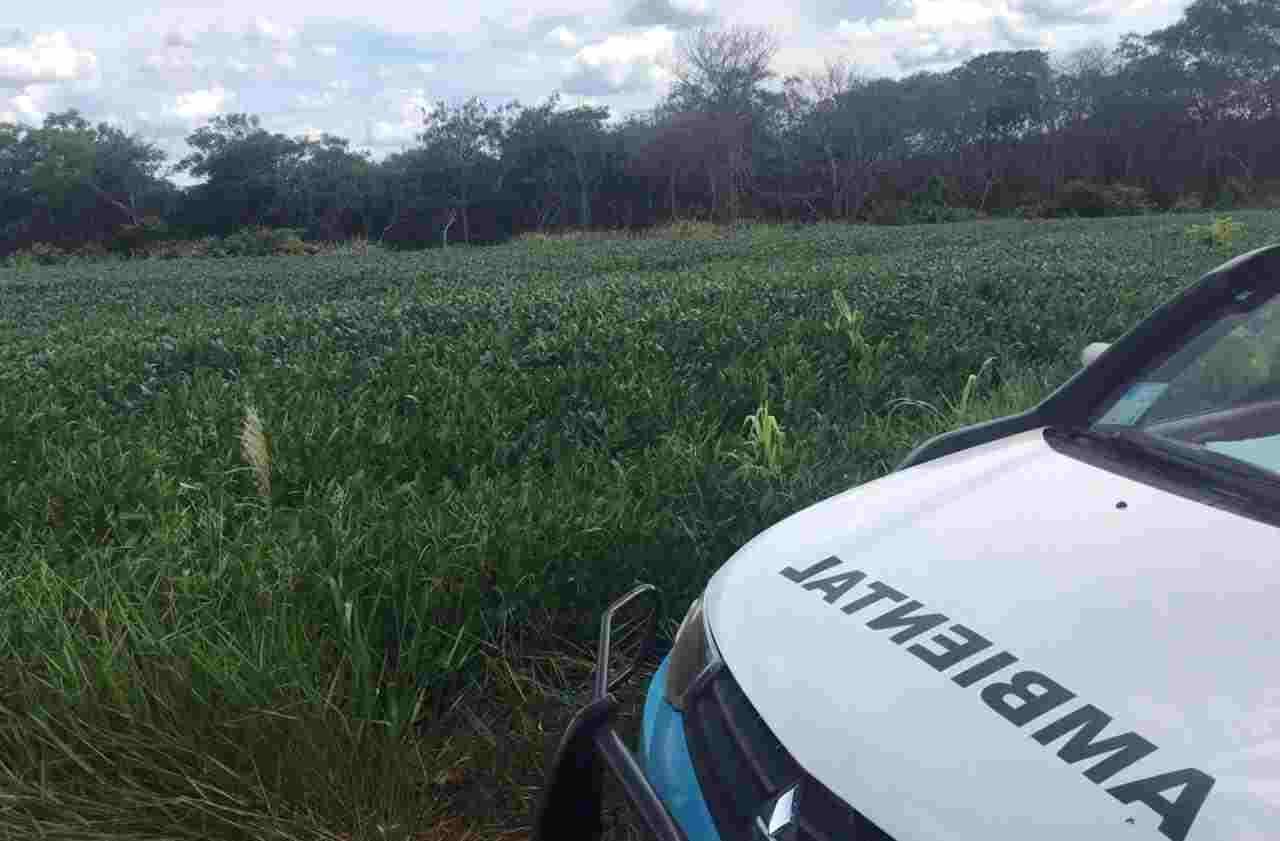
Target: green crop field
306, 547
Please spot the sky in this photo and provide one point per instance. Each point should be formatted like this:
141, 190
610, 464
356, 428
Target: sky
313, 66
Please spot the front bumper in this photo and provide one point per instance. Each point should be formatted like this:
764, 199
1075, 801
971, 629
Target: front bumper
664, 755
571, 801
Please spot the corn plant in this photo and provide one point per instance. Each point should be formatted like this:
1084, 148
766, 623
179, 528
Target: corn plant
866, 359
960, 409
957, 410
765, 444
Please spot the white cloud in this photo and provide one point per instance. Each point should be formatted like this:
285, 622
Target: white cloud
931, 32
285, 60
522, 20
402, 123
692, 7
937, 34
622, 63
426, 67
49, 57
617, 49
562, 36
388, 134
949, 14
272, 31
29, 106
202, 103
174, 60
411, 105
26, 105
316, 101
327, 50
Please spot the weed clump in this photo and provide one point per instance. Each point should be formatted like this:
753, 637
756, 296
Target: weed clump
1220, 233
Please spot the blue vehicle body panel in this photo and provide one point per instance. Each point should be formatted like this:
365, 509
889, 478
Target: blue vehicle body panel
665, 757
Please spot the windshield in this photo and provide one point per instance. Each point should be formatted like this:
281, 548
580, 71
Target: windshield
1217, 394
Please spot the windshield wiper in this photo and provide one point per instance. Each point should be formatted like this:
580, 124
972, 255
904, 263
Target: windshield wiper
1222, 473
1136, 441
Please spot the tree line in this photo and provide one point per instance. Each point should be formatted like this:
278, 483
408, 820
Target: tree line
1185, 116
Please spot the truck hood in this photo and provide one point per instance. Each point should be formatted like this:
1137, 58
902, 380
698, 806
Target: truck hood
1154, 615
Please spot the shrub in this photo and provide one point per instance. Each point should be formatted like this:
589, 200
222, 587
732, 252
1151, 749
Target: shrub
930, 206
1035, 210
1221, 232
887, 212
1189, 203
688, 229
264, 242
1233, 192
152, 239
1267, 194
186, 248
354, 247
926, 207
21, 260
92, 250
578, 235
39, 254
941, 214
293, 245
1126, 199
1090, 200
933, 195
137, 239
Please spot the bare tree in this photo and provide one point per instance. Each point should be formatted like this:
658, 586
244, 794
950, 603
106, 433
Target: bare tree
721, 70
837, 77
838, 131
1080, 75
719, 73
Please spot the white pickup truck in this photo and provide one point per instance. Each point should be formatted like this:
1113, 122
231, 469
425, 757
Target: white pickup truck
1057, 626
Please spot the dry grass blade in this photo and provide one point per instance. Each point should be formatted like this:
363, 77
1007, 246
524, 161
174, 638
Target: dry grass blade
255, 450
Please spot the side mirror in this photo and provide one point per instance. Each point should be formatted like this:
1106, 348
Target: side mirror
1092, 352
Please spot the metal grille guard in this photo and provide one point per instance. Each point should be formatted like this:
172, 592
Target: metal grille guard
572, 799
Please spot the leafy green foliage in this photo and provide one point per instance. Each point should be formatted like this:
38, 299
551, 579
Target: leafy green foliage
765, 449
137, 239
1089, 200
929, 206
39, 254
459, 454
68, 182
450, 446
263, 242
688, 229
1221, 233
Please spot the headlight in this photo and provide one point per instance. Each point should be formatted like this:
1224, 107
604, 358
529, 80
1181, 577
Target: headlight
690, 654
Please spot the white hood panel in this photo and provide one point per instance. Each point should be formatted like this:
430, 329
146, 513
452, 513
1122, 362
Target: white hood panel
1163, 614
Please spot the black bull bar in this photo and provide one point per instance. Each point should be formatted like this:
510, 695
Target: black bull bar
572, 799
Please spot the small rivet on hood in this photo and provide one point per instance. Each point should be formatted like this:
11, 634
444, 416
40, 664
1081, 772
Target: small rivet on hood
1122, 504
